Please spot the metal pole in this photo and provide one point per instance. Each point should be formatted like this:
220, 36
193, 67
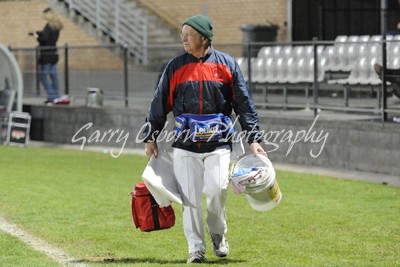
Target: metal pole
126, 74
315, 83
37, 51
248, 48
383, 31
289, 20
321, 20
116, 21
205, 9
98, 14
66, 69
144, 29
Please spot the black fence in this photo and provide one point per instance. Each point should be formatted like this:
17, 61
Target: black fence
337, 76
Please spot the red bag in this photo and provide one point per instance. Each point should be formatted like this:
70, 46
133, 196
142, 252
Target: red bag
147, 214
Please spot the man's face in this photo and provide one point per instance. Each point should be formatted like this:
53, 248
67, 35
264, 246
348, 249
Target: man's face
192, 40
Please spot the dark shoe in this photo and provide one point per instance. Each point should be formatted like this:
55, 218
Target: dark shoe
48, 102
220, 245
196, 257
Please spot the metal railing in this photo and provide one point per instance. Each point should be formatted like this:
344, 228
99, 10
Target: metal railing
112, 69
118, 20
332, 75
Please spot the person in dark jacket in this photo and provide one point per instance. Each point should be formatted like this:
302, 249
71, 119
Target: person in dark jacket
48, 56
201, 87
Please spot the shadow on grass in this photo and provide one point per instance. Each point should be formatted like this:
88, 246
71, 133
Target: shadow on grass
155, 261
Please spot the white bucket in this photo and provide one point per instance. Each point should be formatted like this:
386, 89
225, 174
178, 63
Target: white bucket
94, 97
264, 194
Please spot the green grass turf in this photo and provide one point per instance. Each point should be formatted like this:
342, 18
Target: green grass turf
15, 253
78, 201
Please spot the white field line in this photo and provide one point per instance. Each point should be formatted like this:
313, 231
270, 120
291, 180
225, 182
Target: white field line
37, 244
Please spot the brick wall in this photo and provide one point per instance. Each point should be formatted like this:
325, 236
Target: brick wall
17, 18
227, 15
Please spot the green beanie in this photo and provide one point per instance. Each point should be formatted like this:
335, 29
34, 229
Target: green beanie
202, 24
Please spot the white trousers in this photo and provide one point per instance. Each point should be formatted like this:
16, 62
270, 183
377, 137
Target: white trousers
199, 173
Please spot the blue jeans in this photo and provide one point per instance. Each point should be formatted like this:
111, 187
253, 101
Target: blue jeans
50, 85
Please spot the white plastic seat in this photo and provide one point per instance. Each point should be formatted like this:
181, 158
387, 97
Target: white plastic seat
286, 51
393, 49
281, 68
271, 70
341, 39
242, 62
373, 78
258, 67
351, 53
328, 54
362, 50
364, 38
265, 52
293, 71
302, 70
340, 53
298, 51
358, 72
393, 63
262, 71
307, 72
354, 75
375, 47
276, 51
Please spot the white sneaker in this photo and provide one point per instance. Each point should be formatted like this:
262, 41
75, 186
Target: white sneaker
196, 257
220, 245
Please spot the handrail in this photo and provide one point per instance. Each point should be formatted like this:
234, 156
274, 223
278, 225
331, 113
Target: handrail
119, 21
18, 86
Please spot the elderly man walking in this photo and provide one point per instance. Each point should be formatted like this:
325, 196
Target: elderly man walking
201, 87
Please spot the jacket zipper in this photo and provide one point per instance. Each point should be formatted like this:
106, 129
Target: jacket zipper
200, 92
201, 87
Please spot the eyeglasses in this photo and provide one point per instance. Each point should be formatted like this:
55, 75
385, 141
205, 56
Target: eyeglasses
188, 35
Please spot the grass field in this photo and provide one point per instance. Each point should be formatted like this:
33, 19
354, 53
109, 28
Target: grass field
78, 201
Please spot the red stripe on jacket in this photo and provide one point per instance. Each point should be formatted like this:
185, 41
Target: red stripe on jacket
200, 71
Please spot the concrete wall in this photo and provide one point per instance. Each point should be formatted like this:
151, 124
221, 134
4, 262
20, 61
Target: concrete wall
352, 145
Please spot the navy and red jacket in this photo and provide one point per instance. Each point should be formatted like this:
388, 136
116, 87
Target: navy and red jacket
209, 85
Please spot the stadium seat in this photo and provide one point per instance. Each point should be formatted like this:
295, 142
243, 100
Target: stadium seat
287, 51
281, 70
371, 76
375, 48
328, 54
351, 53
355, 73
265, 52
276, 51
393, 63
258, 70
271, 70
339, 53
393, 48
242, 62
306, 73
293, 70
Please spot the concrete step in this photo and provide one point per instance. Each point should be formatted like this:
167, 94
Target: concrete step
158, 31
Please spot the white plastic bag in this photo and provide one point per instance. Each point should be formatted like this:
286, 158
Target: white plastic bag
160, 179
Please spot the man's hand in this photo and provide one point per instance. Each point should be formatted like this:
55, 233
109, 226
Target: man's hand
151, 149
256, 148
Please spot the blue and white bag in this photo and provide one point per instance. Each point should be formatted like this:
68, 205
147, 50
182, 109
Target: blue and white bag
204, 128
